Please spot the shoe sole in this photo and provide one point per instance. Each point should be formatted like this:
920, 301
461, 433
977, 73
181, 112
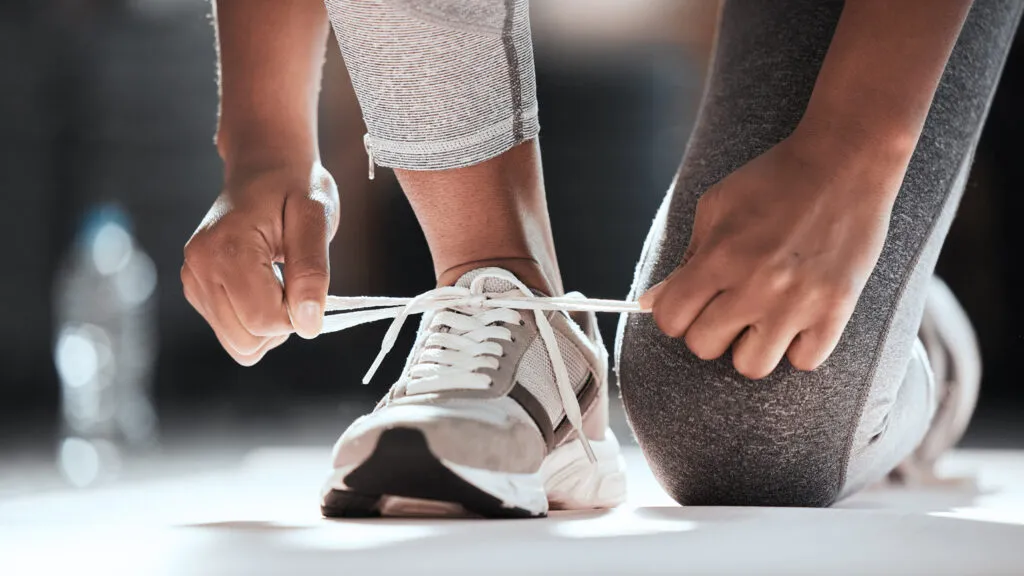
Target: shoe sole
403, 477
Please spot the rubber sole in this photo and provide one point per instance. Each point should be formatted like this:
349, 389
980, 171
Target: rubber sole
402, 477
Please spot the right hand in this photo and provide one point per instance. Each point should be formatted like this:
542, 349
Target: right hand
286, 215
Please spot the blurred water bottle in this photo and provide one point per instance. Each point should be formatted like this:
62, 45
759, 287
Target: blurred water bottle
105, 348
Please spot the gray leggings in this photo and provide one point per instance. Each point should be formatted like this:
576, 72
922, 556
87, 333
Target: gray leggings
441, 83
803, 438
446, 83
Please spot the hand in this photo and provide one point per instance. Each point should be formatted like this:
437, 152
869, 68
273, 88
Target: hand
263, 217
780, 252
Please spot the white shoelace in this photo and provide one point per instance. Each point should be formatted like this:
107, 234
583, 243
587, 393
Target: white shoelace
449, 360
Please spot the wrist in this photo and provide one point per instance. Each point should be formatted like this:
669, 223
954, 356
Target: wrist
853, 150
285, 171
858, 129
260, 145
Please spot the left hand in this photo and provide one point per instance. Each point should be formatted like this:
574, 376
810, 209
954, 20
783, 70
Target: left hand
780, 252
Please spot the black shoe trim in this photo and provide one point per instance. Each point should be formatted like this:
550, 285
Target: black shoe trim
536, 411
403, 465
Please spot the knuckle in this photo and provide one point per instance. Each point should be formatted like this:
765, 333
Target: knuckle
838, 310
185, 274
719, 264
228, 250
195, 250
189, 295
225, 248
778, 281
842, 294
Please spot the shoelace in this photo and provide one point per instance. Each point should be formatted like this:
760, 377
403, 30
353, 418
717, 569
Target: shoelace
450, 359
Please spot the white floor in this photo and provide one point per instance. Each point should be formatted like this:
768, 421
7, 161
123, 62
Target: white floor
262, 518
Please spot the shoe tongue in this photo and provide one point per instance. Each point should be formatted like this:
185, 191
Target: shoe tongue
493, 283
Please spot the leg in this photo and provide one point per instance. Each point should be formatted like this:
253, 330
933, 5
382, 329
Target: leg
803, 438
459, 128
501, 408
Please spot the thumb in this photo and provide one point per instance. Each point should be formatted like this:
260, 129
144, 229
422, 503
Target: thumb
648, 298
306, 267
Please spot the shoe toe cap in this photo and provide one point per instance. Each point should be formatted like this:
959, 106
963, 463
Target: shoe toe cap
469, 435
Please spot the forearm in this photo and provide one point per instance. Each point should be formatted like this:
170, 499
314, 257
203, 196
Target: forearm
270, 58
881, 71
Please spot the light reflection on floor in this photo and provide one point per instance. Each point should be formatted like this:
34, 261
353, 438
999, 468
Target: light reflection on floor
262, 518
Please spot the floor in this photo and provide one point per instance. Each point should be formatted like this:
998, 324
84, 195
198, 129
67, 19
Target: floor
260, 516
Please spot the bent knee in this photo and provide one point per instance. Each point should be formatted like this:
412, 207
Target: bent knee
715, 438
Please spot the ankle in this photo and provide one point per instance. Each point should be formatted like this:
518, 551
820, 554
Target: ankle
529, 270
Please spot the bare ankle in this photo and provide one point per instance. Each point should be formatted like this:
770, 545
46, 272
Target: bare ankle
527, 269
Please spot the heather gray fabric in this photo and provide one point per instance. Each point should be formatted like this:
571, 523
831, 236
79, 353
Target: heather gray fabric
795, 438
442, 83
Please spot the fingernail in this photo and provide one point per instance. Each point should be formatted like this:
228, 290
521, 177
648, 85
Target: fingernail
309, 319
647, 300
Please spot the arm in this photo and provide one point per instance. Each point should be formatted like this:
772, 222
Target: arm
879, 76
277, 203
270, 57
782, 248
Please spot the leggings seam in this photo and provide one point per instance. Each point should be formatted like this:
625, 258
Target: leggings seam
862, 401
512, 61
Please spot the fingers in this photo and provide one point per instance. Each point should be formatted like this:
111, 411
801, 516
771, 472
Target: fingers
212, 303
814, 345
719, 324
761, 347
255, 296
263, 217
681, 297
228, 280
242, 346
251, 359
306, 268
762, 324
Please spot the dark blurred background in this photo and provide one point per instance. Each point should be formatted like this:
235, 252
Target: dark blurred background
115, 101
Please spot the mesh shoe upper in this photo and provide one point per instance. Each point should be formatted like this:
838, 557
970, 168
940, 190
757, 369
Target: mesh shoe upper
481, 385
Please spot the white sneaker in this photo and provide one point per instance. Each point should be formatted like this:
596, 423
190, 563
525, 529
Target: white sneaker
501, 410
955, 359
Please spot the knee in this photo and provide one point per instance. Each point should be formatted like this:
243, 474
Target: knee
725, 476
714, 438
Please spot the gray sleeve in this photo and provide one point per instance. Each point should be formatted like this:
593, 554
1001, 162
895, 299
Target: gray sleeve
441, 83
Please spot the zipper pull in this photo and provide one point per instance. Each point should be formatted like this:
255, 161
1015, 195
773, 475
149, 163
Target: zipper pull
369, 153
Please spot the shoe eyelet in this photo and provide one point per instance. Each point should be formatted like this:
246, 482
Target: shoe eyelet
522, 322
513, 339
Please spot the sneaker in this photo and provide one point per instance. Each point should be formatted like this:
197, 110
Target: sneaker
955, 360
501, 409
